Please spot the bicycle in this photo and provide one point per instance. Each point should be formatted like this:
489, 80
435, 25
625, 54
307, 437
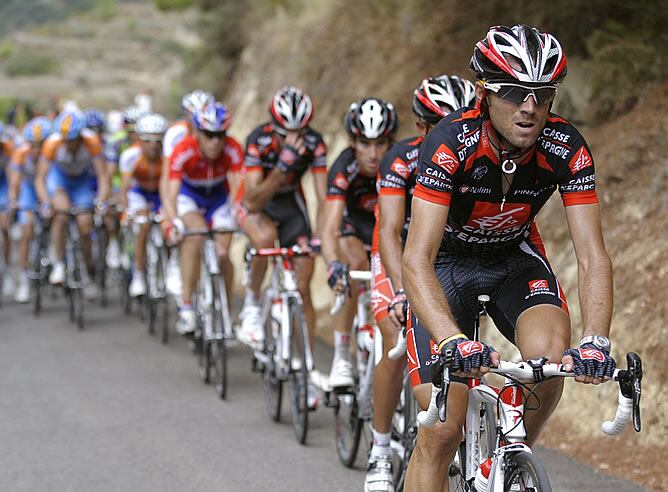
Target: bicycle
286, 353
353, 410
100, 239
156, 265
75, 275
214, 322
40, 265
494, 455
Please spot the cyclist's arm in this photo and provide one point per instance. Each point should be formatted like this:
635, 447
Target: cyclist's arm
258, 190
103, 177
126, 182
424, 292
14, 175
164, 179
320, 184
169, 204
391, 218
594, 268
41, 171
332, 216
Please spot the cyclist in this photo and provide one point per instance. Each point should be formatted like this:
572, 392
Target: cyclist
114, 146
62, 180
484, 173
22, 192
190, 102
140, 167
432, 99
198, 181
348, 218
271, 202
7, 147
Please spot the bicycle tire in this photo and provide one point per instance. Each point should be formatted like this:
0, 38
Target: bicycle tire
527, 471
347, 428
219, 348
77, 302
298, 376
272, 385
101, 263
36, 297
407, 435
152, 315
160, 281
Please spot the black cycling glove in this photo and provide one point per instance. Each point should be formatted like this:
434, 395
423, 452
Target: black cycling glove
335, 272
589, 360
461, 355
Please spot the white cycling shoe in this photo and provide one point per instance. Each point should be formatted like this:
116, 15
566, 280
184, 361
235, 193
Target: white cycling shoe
23, 290
186, 321
379, 477
113, 254
341, 375
8, 284
251, 331
173, 280
57, 275
137, 286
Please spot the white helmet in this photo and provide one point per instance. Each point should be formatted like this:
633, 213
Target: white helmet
371, 118
196, 100
151, 126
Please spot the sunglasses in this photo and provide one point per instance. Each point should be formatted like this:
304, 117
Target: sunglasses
211, 135
518, 94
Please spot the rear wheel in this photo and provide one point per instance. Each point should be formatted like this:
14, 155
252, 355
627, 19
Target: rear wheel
36, 297
348, 428
298, 377
525, 472
77, 304
101, 263
407, 433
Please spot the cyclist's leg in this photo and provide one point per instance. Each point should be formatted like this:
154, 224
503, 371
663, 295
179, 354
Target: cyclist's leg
27, 200
4, 218
82, 196
262, 233
387, 380
533, 305
60, 201
223, 218
191, 253
138, 206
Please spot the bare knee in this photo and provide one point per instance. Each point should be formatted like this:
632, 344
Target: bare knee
440, 442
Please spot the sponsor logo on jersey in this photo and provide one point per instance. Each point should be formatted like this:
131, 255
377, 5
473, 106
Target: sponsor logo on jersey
483, 190
265, 140
591, 354
479, 172
580, 161
341, 182
444, 158
400, 168
433, 347
368, 202
469, 348
488, 216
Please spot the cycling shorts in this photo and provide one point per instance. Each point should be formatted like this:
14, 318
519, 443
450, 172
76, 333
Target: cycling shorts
382, 292
217, 209
27, 200
359, 226
77, 188
515, 283
288, 212
140, 200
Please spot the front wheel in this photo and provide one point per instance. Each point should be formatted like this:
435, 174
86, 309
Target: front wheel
272, 384
218, 345
525, 472
348, 428
298, 377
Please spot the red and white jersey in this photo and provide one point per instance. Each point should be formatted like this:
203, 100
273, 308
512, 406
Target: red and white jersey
188, 165
175, 135
55, 151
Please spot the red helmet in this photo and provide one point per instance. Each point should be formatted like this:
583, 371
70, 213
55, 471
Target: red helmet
291, 108
519, 54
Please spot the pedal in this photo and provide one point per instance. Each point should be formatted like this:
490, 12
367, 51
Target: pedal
330, 400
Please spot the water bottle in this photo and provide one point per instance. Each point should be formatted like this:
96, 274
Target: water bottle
482, 475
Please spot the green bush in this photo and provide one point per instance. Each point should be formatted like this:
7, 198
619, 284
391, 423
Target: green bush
173, 4
31, 64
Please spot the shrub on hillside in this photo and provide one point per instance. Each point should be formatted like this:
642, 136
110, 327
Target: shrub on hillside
173, 4
31, 64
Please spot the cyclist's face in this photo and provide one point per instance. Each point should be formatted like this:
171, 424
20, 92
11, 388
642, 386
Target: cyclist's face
211, 144
73, 145
369, 153
132, 136
518, 124
152, 149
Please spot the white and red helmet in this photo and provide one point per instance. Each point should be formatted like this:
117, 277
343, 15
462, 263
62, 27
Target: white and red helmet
519, 54
291, 108
436, 97
371, 118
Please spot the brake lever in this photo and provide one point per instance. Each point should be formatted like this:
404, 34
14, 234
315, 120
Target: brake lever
630, 385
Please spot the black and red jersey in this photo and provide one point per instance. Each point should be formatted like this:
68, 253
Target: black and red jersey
459, 168
263, 149
346, 182
396, 176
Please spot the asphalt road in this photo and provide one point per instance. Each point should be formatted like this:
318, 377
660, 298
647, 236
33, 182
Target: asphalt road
111, 409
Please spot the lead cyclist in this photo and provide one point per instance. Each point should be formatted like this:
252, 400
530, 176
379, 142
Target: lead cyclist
484, 173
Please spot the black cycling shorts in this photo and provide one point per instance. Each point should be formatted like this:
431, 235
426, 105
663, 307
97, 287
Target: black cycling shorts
288, 212
360, 226
515, 282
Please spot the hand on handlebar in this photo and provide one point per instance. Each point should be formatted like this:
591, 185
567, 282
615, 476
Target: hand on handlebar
337, 277
465, 358
590, 364
174, 231
398, 308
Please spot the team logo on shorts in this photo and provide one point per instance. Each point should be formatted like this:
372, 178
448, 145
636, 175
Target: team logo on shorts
535, 285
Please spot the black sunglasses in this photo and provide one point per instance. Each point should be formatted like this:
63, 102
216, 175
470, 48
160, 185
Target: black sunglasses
211, 135
518, 94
